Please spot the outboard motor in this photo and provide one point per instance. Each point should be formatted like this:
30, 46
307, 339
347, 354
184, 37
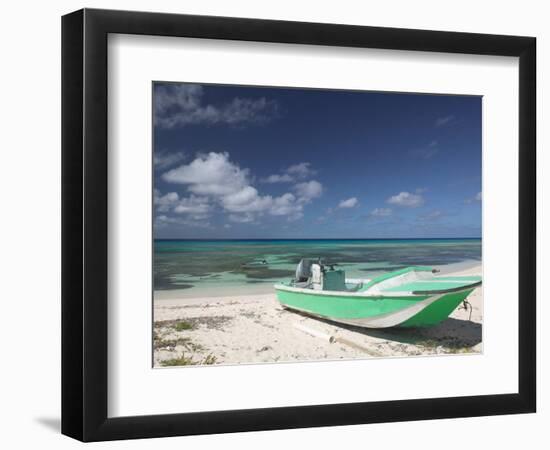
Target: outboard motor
303, 271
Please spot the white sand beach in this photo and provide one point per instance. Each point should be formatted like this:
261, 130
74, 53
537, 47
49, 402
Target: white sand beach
247, 329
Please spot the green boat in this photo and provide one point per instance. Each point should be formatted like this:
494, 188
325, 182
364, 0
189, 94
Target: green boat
410, 297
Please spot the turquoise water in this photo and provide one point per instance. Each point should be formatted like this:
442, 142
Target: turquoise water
195, 267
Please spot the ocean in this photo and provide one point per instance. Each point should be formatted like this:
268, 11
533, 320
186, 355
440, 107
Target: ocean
196, 268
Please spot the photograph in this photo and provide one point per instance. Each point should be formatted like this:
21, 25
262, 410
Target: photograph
301, 225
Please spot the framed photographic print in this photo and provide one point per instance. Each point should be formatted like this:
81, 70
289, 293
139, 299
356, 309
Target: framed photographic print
273, 224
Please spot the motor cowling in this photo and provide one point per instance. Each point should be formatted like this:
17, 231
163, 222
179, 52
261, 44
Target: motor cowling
303, 270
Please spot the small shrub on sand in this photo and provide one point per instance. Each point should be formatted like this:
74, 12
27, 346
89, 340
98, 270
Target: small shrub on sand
183, 326
173, 343
209, 360
188, 361
181, 361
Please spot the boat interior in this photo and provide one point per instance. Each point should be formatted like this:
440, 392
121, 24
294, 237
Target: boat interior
411, 280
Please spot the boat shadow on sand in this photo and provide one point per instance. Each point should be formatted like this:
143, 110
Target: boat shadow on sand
452, 333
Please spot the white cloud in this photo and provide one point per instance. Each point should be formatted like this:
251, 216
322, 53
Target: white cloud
381, 212
213, 178
349, 203
296, 172
193, 205
308, 190
184, 96
406, 199
294, 217
242, 218
243, 110
441, 121
431, 216
166, 202
163, 221
211, 174
285, 205
162, 159
244, 196
178, 105
284, 178
301, 170
475, 198
246, 200
427, 152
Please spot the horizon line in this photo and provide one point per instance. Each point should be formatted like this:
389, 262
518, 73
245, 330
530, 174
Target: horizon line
316, 239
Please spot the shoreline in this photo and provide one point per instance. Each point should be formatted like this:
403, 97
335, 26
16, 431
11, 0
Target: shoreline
262, 288
247, 329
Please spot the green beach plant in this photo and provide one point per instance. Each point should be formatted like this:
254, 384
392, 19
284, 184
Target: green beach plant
181, 361
188, 361
182, 325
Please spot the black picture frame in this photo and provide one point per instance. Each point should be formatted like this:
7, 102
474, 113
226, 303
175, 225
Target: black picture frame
84, 224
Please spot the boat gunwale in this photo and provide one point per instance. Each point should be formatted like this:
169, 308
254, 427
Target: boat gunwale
449, 291
378, 295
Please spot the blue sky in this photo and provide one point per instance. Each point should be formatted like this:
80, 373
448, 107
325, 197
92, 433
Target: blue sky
255, 162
